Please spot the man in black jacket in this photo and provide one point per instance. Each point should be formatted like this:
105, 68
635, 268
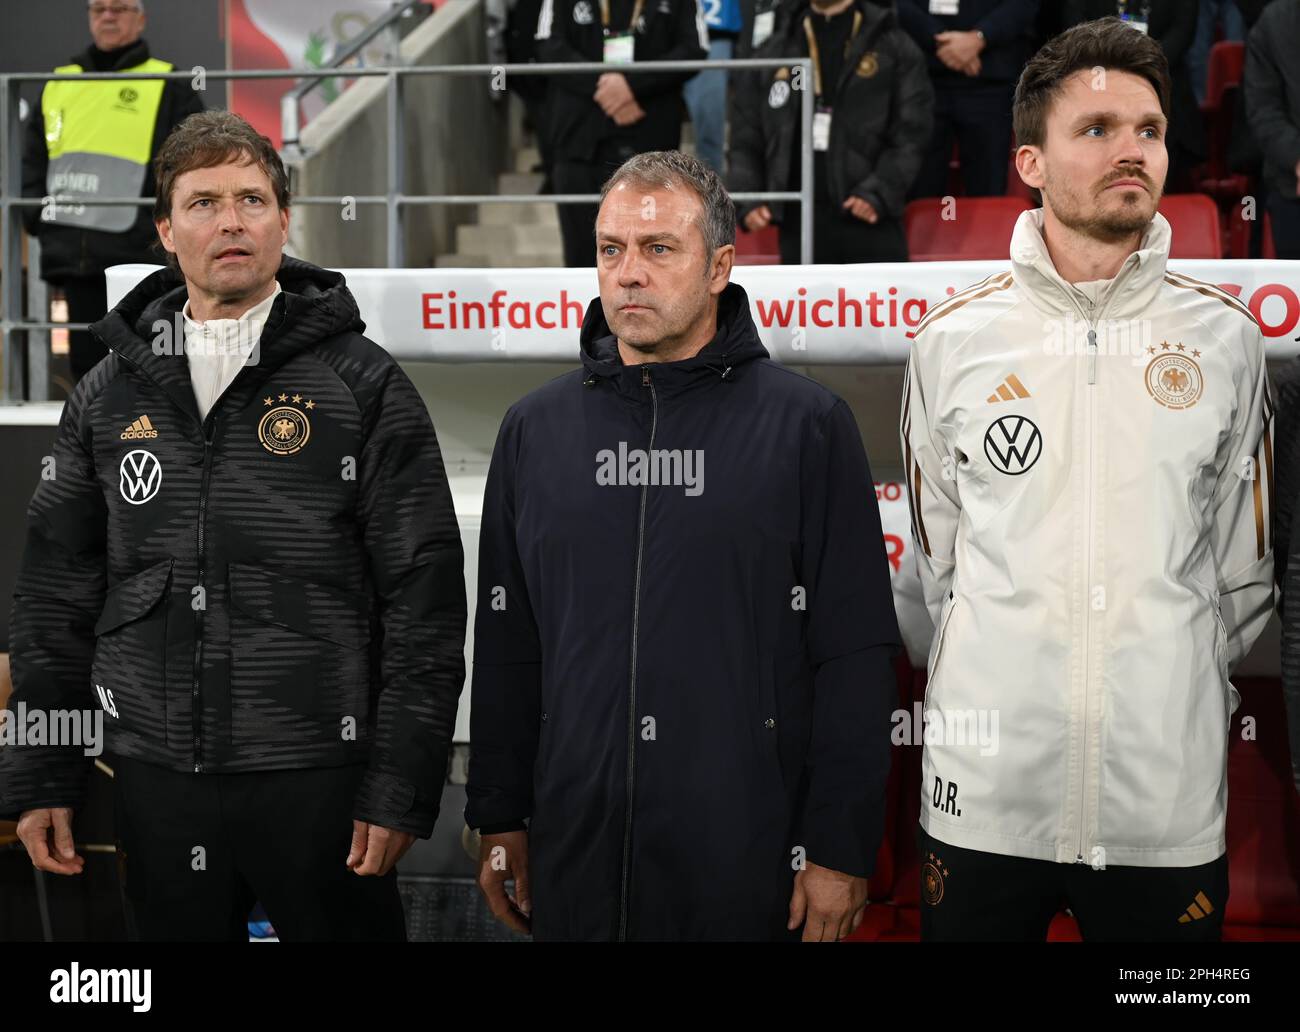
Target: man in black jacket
599, 121
1272, 87
98, 138
976, 49
247, 555
682, 669
871, 127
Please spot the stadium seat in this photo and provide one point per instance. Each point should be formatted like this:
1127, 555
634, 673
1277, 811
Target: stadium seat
1227, 59
1194, 219
981, 228
761, 248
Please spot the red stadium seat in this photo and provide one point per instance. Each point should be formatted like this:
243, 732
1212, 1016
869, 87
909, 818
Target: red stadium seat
1195, 222
981, 228
1227, 59
761, 248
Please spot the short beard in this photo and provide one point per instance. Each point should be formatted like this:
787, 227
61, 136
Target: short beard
1109, 227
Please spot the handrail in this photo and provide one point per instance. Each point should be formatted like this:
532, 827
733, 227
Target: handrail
16, 361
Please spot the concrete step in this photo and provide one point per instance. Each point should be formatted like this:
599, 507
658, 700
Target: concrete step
526, 158
500, 261
540, 214
520, 238
519, 182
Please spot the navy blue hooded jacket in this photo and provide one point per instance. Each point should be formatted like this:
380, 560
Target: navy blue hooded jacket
685, 686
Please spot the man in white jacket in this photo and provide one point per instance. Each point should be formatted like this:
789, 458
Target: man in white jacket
1088, 443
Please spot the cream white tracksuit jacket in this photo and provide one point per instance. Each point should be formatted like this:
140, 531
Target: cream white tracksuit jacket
1090, 482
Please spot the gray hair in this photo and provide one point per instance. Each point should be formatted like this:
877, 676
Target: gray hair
656, 170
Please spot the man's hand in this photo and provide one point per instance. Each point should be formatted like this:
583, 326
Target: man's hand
759, 218
972, 69
612, 92
375, 850
862, 209
36, 828
629, 114
828, 903
502, 857
956, 49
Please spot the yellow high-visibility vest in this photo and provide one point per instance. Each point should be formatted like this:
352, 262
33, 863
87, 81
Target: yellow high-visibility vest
99, 135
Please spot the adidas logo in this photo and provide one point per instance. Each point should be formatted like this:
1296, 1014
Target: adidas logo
139, 430
1201, 907
1008, 390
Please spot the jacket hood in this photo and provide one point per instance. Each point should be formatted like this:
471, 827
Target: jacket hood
1133, 288
314, 304
735, 344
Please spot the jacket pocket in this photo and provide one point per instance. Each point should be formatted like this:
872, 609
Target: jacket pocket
130, 663
299, 660
945, 618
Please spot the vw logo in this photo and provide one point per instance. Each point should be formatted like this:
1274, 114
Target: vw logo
141, 476
1013, 444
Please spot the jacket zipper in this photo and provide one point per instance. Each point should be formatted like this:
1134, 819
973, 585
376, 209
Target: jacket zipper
1087, 561
208, 436
646, 381
199, 612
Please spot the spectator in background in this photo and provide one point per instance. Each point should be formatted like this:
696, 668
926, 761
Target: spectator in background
1172, 24
874, 111
1272, 88
599, 121
706, 93
1212, 14
976, 50
97, 139
521, 48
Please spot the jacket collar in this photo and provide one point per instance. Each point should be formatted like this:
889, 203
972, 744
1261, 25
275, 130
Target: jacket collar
1132, 290
129, 56
734, 346
146, 328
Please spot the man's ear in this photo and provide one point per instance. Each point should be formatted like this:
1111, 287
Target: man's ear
720, 271
1029, 164
164, 227
284, 226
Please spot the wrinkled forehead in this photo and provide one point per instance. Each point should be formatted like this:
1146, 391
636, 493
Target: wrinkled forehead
633, 211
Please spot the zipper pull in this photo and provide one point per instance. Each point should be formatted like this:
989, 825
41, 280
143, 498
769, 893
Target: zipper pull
645, 376
1092, 356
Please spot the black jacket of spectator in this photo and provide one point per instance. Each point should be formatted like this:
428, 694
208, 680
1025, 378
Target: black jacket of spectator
1173, 26
879, 130
570, 30
68, 251
770, 719
1272, 89
1008, 27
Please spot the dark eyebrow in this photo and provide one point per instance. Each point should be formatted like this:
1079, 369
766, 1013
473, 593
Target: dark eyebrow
1108, 118
198, 195
657, 238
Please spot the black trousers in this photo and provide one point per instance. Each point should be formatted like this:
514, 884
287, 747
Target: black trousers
198, 850
578, 221
979, 115
841, 238
972, 896
87, 302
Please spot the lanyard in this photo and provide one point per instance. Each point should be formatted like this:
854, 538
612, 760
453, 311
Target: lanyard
815, 53
631, 25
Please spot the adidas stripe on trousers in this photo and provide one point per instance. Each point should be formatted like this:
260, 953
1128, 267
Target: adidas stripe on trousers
971, 896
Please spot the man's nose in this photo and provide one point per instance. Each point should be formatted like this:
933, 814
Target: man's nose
230, 220
631, 269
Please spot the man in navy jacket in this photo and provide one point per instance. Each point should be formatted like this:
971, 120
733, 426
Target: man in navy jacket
682, 675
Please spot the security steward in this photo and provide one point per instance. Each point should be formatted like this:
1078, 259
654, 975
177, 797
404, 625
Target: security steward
872, 121
97, 139
599, 121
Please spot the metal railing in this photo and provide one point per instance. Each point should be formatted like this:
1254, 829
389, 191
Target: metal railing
17, 333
